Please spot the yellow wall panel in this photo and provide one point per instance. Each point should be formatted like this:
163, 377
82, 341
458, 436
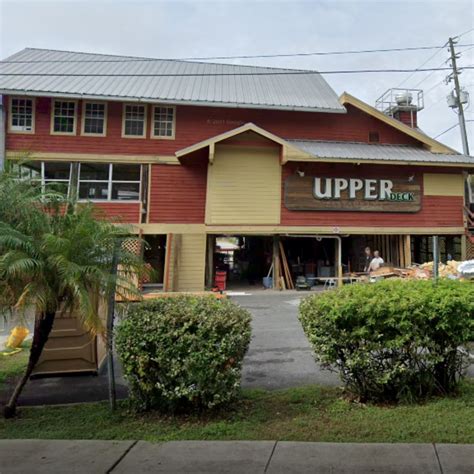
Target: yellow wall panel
191, 251
438, 184
244, 186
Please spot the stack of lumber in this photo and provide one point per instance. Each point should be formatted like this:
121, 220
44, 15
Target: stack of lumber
283, 276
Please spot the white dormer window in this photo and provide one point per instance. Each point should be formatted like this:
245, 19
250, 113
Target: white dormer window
22, 115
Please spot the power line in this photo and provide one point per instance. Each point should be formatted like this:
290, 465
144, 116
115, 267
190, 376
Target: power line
432, 56
465, 33
428, 76
450, 128
224, 74
255, 56
422, 64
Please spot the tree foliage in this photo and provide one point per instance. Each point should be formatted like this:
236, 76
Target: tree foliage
55, 255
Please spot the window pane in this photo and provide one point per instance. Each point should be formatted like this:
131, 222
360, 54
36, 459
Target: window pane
94, 171
126, 191
57, 186
126, 173
28, 171
93, 190
54, 170
134, 120
163, 121
64, 116
94, 118
22, 114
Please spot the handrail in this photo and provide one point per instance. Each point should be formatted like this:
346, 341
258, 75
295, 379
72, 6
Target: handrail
470, 216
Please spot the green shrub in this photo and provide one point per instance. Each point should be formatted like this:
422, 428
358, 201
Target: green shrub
183, 352
394, 340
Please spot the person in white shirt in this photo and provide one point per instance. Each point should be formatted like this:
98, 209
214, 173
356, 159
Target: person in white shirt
376, 262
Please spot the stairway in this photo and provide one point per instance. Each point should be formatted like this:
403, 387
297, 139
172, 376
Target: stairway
469, 213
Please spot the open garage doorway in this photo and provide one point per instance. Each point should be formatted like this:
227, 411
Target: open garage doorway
245, 259
154, 257
311, 256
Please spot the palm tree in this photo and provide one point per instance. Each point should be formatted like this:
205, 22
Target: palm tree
56, 256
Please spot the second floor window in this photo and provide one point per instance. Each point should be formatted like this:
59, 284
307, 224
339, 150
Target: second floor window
64, 117
22, 115
134, 121
94, 118
163, 122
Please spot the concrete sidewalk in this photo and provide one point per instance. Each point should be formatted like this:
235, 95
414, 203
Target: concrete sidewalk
44, 456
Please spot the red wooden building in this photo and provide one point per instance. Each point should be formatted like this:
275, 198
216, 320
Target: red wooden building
192, 152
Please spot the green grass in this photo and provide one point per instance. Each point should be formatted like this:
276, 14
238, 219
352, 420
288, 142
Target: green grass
311, 413
12, 366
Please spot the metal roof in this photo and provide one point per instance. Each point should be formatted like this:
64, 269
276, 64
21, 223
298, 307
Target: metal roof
255, 87
373, 152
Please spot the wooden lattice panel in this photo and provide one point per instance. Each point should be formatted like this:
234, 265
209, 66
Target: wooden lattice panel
132, 246
469, 250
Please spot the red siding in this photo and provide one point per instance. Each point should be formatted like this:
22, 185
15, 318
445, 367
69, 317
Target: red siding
124, 212
178, 193
198, 123
436, 211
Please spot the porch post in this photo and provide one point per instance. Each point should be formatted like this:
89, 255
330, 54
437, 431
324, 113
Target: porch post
276, 262
339, 260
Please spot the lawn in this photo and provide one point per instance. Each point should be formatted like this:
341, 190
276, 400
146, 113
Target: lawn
310, 413
11, 366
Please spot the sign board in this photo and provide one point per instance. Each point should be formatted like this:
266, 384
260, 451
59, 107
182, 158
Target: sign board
316, 193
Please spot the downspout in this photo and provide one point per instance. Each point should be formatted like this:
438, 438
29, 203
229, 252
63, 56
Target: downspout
3, 156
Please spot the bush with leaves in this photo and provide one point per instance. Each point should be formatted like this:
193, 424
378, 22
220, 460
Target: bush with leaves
395, 340
183, 352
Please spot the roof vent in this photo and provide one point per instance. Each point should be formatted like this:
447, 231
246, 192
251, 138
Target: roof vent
402, 104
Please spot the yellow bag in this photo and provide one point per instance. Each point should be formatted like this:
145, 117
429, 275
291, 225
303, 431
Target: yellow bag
17, 336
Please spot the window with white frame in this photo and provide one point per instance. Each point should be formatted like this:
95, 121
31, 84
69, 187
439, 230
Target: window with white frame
64, 117
94, 118
163, 121
51, 175
134, 120
22, 115
109, 182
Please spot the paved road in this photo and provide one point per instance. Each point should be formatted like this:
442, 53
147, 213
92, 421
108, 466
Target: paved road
279, 355
249, 457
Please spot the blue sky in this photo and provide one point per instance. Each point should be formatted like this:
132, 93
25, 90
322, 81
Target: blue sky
195, 29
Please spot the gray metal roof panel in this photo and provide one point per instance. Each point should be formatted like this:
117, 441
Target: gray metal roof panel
376, 152
255, 89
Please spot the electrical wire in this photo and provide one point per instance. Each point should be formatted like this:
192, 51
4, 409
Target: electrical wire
288, 72
450, 128
255, 56
427, 61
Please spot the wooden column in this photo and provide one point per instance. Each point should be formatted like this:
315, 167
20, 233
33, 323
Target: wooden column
407, 248
338, 262
464, 243
276, 262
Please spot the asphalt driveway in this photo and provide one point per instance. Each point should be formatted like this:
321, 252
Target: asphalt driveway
279, 355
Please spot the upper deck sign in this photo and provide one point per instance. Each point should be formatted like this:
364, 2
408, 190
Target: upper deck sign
316, 193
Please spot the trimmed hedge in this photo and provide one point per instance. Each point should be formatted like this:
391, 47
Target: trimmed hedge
394, 340
183, 352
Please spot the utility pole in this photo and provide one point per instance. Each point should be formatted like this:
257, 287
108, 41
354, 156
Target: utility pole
459, 103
